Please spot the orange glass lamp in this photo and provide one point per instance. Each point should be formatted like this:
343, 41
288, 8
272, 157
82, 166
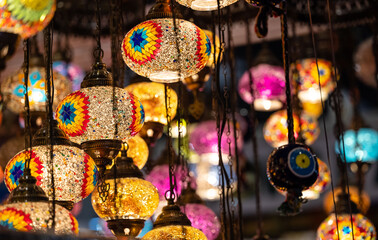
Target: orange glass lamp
131, 200
26, 18
361, 200
150, 49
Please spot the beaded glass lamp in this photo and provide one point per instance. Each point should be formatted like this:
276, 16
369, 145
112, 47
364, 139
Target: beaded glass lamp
206, 5
26, 18
150, 48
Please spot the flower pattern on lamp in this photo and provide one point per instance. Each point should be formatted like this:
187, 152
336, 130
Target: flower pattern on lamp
152, 97
275, 129
363, 228
206, 5
26, 17
35, 216
71, 71
87, 114
75, 172
361, 145
172, 232
268, 86
13, 89
203, 218
150, 49
204, 139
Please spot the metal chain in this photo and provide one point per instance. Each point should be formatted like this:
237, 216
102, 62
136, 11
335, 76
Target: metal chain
172, 182
98, 53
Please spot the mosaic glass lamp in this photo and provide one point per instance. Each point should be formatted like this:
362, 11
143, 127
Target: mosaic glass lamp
275, 129
173, 224
90, 117
26, 18
28, 210
150, 48
130, 202
137, 150
343, 227
75, 172
361, 145
206, 5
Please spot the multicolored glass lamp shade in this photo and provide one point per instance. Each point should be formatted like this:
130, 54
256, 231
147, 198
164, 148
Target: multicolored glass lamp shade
204, 139
130, 202
203, 218
75, 172
320, 185
361, 145
206, 5
152, 97
13, 90
275, 129
268, 86
214, 46
362, 200
150, 48
363, 228
308, 82
26, 18
71, 71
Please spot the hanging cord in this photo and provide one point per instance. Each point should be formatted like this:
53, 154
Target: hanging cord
233, 103
98, 53
49, 105
28, 134
259, 230
286, 65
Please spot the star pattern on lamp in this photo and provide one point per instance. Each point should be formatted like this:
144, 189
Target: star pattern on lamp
203, 48
90, 180
138, 115
143, 42
73, 115
14, 219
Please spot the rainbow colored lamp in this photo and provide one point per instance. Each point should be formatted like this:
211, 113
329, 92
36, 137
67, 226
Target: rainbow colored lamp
150, 48
206, 5
361, 145
275, 129
90, 117
26, 18
75, 172
268, 86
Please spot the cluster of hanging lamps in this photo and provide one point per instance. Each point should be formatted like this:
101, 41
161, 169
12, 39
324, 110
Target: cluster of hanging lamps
150, 48
26, 18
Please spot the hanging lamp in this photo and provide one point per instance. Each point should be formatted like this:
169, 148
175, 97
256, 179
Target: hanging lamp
131, 201
153, 50
26, 18
206, 5
138, 151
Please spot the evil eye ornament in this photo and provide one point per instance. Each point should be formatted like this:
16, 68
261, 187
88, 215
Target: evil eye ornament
301, 162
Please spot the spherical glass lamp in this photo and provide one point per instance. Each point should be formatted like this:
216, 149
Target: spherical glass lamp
13, 89
28, 210
26, 18
204, 139
90, 117
268, 86
275, 129
362, 200
308, 82
150, 48
137, 150
206, 5
173, 224
152, 97
75, 173
130, 202
71, 71
361, 145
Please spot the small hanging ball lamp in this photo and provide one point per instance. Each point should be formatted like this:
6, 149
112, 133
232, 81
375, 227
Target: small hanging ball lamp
150, 48
75, 172
26, 18
71, 71
28, 210
206, 5
172, 224
137, 150
90, 117
309, 79
349, 224
152, 97
361, 145
268, 86
292, 168
131, 200
275, 129
13, 89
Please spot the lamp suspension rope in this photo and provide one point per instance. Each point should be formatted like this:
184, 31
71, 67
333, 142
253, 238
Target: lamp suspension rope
259, 230
49, 105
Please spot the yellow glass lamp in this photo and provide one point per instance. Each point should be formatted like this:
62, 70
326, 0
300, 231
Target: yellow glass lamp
131, 200
137, 150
